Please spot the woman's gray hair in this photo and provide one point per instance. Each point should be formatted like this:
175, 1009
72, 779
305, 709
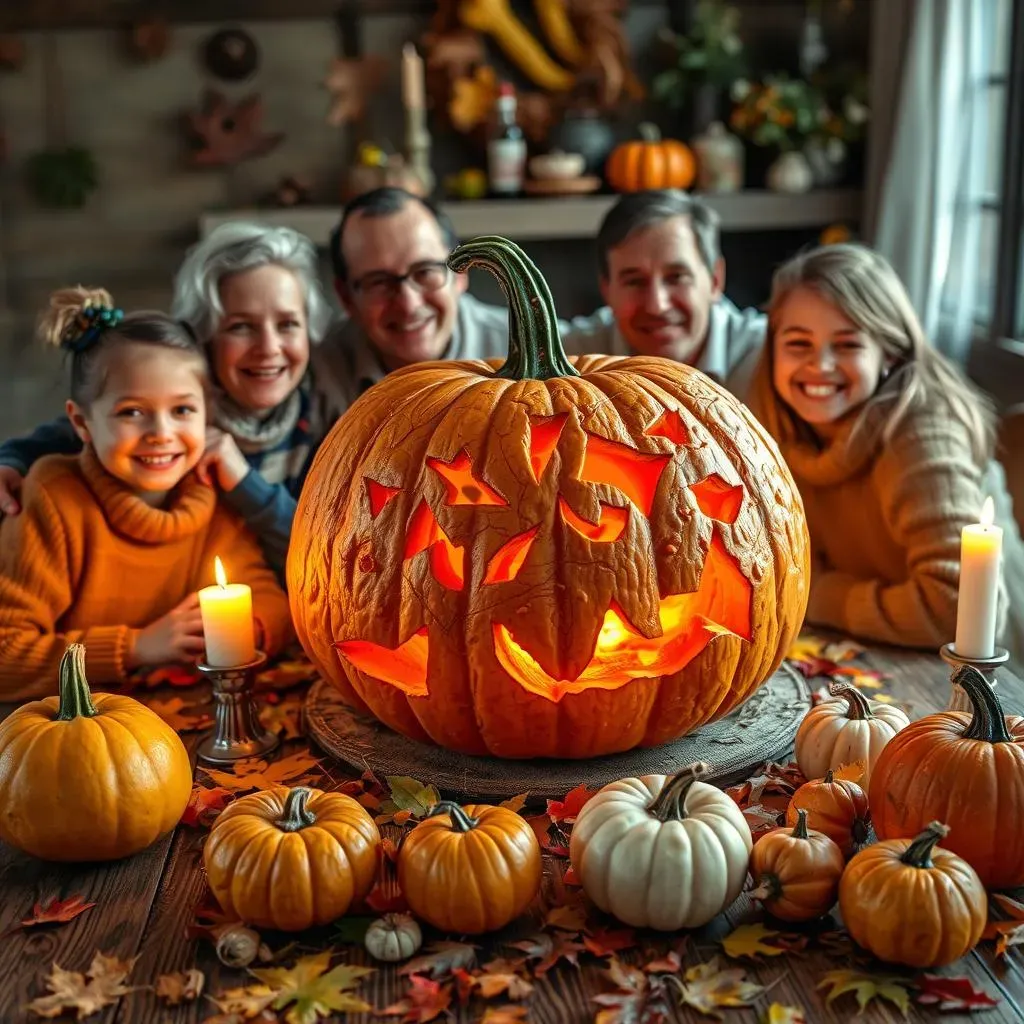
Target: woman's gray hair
238, 246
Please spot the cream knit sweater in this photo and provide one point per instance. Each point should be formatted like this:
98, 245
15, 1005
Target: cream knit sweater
885, 522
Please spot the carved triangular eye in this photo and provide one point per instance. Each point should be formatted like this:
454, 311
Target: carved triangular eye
446, 558
379, 495
544, 434
506, 562
718, 499
633, 472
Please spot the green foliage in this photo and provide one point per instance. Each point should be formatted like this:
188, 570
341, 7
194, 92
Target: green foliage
63, 178
710, 54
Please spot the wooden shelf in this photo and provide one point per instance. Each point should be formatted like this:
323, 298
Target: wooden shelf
577, 216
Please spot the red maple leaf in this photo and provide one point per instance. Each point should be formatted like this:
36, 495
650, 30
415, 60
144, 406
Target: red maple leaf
812, 667
56, 911
570, 877
565, 811
387, 899
952, 993
608, 941
425, 1000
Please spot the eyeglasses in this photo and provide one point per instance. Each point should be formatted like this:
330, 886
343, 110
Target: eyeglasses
424, 277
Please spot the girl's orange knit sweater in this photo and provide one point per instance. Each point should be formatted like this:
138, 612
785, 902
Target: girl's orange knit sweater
87, 561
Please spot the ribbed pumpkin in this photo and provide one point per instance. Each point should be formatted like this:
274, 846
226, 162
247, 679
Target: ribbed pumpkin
796, 871
837, 807
848, 729
910, 903
89, 777
470, 869
542, 558
650, 162
291, 858
966, 770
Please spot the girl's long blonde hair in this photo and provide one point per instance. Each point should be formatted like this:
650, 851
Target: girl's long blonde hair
863, 285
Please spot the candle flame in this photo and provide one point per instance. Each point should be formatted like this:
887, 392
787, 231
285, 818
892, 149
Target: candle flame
218, 571
988, 511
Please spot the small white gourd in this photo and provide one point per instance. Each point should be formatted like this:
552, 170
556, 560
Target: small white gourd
393, 937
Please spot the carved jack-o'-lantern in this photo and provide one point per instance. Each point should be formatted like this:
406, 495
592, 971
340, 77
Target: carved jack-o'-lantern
547, 558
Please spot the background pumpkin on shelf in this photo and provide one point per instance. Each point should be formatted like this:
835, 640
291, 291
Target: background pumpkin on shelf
546, 558
61, 815
650, 162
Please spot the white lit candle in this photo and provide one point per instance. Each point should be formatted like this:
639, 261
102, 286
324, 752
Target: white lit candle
227, 621
981, 546
413, 90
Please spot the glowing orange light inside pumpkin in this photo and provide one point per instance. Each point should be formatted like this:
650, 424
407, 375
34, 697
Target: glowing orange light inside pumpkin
380, 495
721, 605
462, 485
606, 530
405, 666
544, 434
506, 562
446, 558
634, 473
717, 499
670, 425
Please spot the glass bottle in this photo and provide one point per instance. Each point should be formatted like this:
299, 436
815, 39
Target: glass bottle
506, 149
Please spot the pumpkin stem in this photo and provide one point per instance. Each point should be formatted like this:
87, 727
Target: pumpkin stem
670, 803
535, 349
988, 722
800, 828
75, 698
857, 706
296, 815
648, 131
829, 777
461, 821
919, 853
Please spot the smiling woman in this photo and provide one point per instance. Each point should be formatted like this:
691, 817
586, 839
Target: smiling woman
890, 445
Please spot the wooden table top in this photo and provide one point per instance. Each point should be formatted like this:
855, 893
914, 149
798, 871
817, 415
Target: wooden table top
145, 905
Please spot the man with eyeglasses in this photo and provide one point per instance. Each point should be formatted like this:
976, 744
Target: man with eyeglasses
662, 276
404, 305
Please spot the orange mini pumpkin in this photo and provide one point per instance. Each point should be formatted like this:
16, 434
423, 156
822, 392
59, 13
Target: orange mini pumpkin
796, 872
966, 770
470, 869
291, 858
650, 162
909, 903
837, 807
544, 558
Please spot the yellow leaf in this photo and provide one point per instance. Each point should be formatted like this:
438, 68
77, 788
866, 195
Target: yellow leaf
749, 940
101, 985
867, 987
708, 987
806, 647
249, 1001
515, 803
851, 772
311, 991
779, 1014
252, 773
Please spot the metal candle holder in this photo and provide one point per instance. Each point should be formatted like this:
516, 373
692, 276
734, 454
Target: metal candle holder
237, 732
986, 666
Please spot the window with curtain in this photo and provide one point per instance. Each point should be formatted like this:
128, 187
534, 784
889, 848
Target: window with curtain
1000, 207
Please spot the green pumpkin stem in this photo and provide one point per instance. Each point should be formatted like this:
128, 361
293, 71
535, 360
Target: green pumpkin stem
919, 853
857, 706
800, 828
461, 821
296, 815
670, 803
987, 722
535, 349
75, 698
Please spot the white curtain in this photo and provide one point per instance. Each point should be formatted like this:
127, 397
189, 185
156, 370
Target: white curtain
927, 222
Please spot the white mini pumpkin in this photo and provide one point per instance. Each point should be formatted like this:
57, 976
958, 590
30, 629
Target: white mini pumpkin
393, 937
661, 852
850, 728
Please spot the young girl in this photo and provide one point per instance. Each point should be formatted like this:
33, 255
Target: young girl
113, 544
889, 444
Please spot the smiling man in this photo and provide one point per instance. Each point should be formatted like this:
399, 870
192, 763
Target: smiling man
662, 277
404, 306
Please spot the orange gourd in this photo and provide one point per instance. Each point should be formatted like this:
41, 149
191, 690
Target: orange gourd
909, 903
796, 872
291, 858
546, 558
470, 869
650, 162
89, 777
966, 769
837, 807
